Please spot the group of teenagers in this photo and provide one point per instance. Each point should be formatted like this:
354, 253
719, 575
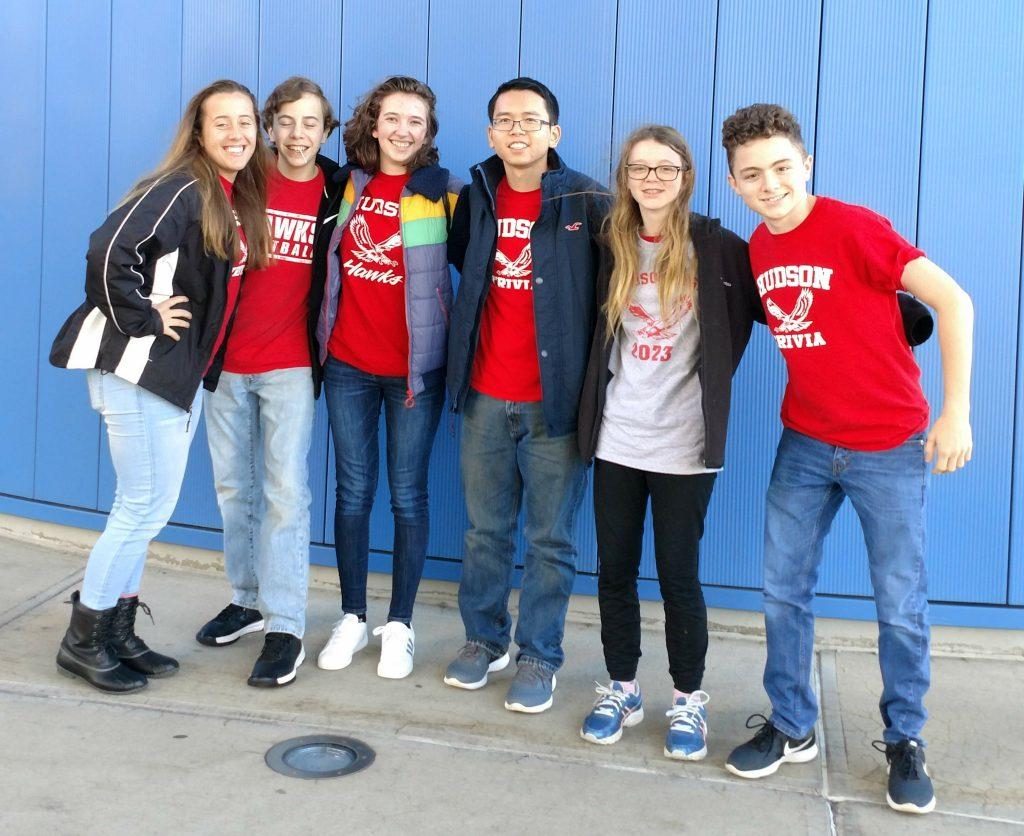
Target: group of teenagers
590, 325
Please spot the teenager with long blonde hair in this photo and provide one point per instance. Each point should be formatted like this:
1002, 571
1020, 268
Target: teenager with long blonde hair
676, 307
162, 278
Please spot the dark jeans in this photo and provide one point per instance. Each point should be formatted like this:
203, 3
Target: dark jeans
678, 506
354, 400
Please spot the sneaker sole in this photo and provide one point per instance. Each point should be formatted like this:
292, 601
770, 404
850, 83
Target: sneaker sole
230, 638
632, 720
909, 807
534, 709
281, 680
402, 675
803, 756
684, 756
334, 666
498, 664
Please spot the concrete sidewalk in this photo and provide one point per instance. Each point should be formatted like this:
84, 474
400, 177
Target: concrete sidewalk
185, 755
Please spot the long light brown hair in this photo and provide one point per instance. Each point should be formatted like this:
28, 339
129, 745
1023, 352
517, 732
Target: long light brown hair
186, 156
363, 149
676, 263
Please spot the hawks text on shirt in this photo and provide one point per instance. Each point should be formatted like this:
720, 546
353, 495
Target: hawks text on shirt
371, 332
271, 329
506, 365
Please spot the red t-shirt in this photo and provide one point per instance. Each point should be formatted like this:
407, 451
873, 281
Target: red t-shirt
829, 291
234, 277
371, 332
271, 324
506, 365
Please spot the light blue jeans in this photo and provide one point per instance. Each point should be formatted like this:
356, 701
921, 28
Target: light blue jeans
259, 428
149, 440
509, 461
809, 482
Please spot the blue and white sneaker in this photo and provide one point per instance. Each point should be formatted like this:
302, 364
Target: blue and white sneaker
613, 710
687, 738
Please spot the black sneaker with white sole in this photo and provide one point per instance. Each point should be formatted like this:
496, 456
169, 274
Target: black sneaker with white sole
280, 659
229, 625
910, 787
767, 750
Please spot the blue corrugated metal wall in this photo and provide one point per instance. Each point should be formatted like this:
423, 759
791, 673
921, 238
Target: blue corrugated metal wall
911, 108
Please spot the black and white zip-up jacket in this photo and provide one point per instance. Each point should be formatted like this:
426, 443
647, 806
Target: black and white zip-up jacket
148, 250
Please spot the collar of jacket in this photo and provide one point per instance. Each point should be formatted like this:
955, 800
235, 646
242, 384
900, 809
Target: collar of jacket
330, 169
431, 181
490, 172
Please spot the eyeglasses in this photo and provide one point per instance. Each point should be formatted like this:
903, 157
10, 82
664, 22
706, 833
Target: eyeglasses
530, 124
665, 173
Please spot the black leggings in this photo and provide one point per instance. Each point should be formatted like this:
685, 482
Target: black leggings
678, 505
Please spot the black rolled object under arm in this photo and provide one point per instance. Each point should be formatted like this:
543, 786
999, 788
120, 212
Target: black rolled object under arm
917, 319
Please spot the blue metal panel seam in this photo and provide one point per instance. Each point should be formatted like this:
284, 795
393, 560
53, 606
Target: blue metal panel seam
42, 186
1016, 437
924, 93
713, 145
611, 122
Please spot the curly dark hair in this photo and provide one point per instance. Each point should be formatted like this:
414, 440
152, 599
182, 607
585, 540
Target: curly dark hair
760, 121
360, 146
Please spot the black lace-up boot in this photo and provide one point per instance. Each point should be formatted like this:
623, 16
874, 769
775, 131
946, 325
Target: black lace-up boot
85, 651
130, 649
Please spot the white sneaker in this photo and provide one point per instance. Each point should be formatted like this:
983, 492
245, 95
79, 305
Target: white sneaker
396, 649
347, 638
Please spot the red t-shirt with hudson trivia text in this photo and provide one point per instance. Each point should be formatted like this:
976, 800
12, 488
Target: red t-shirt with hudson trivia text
271, 323
371, 332
506, 365
234, 277
828, 289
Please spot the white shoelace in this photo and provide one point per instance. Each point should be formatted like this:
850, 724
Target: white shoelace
687, 716
610, 701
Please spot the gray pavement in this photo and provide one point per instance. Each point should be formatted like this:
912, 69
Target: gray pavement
185, 755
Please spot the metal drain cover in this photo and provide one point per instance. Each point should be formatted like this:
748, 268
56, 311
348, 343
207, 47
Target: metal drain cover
319, 756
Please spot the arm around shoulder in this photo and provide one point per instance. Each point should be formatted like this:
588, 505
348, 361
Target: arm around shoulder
458, 235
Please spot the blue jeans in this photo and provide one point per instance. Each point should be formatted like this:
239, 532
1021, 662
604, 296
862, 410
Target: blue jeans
354, 400
149, 441
507, 455
259, 428
809, 482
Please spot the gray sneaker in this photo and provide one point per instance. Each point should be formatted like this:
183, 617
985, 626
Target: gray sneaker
470, 668
531, 690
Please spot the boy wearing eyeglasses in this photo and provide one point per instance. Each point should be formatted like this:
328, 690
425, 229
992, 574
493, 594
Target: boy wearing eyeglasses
523, 237
856, 425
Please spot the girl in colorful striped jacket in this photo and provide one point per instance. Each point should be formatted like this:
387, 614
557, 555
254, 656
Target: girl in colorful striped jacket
383, 332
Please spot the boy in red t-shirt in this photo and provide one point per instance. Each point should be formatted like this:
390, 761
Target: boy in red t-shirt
856, 425
260, 419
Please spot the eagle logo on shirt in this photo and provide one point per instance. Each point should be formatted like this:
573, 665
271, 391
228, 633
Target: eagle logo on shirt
796, 320
652, 328
514, 269
366, 249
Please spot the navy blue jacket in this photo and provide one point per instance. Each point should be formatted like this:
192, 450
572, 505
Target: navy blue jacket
565, 258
